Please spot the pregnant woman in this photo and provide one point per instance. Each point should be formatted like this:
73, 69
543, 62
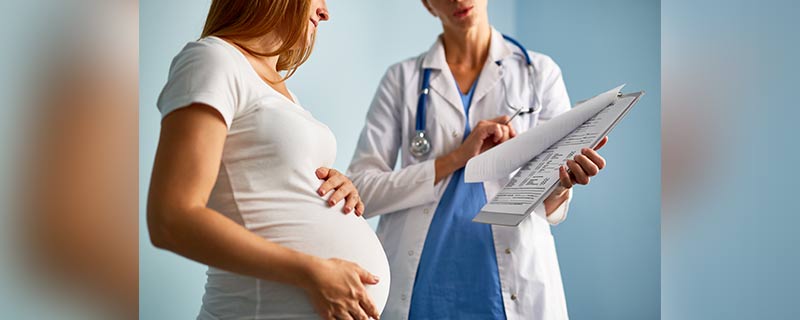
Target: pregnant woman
241, 180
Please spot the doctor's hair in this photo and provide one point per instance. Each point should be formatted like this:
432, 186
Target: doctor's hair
248, 19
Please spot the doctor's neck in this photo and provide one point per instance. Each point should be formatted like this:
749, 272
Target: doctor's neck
467, 46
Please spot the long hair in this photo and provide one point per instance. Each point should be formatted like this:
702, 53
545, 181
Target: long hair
247, 19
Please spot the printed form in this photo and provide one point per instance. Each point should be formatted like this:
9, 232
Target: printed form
537, 177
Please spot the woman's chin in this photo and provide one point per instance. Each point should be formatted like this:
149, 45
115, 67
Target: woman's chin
308, 43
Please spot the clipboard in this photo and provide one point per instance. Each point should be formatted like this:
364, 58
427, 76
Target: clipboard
537, 178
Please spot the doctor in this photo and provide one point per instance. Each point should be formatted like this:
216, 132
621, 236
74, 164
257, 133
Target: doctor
435, 112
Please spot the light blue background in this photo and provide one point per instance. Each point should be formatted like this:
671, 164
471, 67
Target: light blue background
608, 248
730, 204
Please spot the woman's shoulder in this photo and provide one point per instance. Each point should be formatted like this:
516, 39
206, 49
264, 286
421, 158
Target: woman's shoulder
206, 72
208, 52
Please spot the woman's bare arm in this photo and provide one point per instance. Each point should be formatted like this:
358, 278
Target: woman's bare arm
184, 172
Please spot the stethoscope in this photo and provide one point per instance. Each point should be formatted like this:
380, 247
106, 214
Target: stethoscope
421, 145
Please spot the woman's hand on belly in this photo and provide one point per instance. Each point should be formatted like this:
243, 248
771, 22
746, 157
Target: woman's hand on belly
344, 189
336, 289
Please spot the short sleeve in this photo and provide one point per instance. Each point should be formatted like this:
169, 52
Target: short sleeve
202, 73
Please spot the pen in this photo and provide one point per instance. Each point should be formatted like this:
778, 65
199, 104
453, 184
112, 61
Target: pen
516, 113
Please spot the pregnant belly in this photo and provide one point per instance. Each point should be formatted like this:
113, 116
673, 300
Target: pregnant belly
312, 229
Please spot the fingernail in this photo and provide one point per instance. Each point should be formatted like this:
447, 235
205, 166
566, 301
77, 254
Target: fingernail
375, 278
347, 209
321, 192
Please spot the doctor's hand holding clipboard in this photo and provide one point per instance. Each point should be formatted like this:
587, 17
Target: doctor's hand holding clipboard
578, 170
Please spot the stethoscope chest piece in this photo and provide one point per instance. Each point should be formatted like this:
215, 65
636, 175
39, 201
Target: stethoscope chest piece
420, 146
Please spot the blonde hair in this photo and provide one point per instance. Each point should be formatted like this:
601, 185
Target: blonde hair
247, 19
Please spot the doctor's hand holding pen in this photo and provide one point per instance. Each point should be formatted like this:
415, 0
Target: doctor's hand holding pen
485, 135
577, 170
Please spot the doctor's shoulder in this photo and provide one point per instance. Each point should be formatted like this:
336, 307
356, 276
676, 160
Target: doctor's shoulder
543, 62
402, 70
401, 77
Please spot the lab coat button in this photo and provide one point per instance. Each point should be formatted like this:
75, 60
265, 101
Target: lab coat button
403, 297
410, 252
426, 211
514, 297
508, 251
455, 134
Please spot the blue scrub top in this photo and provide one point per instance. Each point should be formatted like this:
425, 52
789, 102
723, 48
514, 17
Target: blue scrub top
457, 276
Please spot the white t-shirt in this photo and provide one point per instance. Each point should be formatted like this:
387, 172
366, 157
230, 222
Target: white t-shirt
267, 181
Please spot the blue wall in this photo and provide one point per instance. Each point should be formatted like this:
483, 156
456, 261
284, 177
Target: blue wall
613, 225
730, 201
609, 246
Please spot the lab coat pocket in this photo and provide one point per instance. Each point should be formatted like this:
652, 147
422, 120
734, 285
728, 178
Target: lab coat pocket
533, 120
527, 121
523, 122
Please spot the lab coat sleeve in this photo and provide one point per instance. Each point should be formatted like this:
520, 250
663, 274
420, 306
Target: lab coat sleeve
560, 214
555, 101
383, 189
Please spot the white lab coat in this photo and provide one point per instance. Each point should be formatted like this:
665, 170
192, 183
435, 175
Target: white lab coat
406, 199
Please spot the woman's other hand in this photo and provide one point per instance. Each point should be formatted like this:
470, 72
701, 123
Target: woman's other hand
344, 189
337, 290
